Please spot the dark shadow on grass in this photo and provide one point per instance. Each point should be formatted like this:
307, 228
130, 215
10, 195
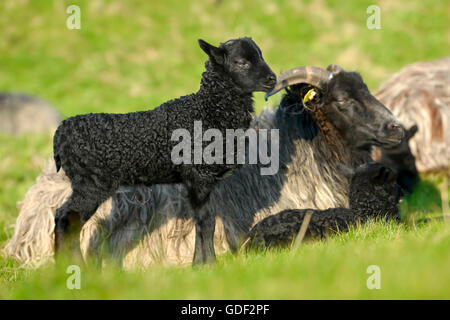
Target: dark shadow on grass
423, 203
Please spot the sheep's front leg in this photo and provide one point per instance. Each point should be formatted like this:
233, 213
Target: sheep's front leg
205, 224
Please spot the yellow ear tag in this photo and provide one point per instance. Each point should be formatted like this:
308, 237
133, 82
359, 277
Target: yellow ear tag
309, 95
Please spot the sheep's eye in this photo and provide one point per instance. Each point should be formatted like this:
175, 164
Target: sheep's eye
241, 63
342, 104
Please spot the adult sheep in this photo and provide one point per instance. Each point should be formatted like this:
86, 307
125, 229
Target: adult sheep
419, 94
142, 226
21, 113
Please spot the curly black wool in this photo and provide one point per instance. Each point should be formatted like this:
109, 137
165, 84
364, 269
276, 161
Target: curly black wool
103, 151
100, 152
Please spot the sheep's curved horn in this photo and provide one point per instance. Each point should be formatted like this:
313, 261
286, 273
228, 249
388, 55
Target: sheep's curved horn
311, 75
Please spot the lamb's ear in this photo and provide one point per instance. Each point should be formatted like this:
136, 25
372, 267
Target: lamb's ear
411, 132
214, 53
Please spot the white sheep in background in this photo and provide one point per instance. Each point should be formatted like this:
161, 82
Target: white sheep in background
20, 113
419, 94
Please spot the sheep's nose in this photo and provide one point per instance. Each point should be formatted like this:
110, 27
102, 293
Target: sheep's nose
396, 128
272, 78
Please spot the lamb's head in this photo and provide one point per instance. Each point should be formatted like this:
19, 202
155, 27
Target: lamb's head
402, 161
373, 188
243, 61
343, 100
368, 174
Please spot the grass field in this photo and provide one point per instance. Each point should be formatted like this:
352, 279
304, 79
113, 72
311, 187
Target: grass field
133, 55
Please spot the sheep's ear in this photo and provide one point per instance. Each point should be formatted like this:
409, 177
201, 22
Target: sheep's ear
214, 53
411, 132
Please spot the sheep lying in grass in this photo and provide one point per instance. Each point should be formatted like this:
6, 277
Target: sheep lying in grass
142, 226
20, 113
101, 152
419, 94
374, 194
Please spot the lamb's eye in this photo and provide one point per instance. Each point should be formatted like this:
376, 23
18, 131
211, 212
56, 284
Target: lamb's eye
241, 63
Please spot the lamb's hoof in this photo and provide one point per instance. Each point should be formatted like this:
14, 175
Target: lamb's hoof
201, 259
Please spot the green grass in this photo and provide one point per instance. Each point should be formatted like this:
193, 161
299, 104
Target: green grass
134, 55
413, 262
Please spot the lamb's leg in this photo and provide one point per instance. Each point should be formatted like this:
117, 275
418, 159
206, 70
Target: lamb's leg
205, 223
204, 238
280, 229
72, 215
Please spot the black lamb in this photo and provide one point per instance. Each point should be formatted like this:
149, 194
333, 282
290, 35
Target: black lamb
402, 161
374, 194
100, 152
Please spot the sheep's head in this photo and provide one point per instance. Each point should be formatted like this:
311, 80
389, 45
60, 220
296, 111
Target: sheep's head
343, 100
243, 61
